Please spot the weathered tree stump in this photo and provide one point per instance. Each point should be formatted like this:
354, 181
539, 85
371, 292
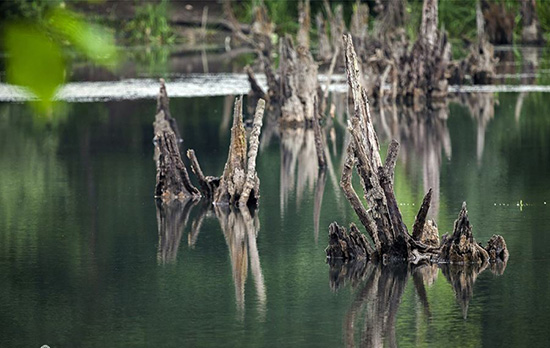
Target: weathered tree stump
299, 84
382, 220
304, 21
172, 181
499, 22
531, 32
325, 51
239, 183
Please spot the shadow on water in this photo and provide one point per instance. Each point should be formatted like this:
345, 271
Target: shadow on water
371, 319
240, 228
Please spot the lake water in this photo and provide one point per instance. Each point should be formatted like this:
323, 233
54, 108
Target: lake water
89, 259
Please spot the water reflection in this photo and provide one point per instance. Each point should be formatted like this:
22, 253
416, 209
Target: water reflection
373, 312
172, 219
482, 110
240, 228
423, 136
371, 318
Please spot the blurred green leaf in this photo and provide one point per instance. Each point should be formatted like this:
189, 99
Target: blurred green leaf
34, 61
93, 41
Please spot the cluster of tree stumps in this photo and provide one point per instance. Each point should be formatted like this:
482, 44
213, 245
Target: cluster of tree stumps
239, 183
391, 241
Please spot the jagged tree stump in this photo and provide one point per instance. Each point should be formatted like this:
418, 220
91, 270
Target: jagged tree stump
172, 181
239, 183
382, 220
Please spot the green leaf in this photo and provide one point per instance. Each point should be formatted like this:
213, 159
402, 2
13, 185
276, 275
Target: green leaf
34, 61
93, 41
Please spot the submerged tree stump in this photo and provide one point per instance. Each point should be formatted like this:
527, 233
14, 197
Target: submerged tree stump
382, 220
172, 178
239, 183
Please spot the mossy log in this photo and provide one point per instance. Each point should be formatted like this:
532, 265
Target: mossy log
382, 220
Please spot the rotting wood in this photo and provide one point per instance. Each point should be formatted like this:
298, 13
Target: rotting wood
319, 143
531, 32
163, 104
239, 183
304, 21
382, 220
325, 50
299, 83
172, 179
208, 184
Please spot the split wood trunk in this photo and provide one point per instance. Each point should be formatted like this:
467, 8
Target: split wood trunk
391, 241
239, 183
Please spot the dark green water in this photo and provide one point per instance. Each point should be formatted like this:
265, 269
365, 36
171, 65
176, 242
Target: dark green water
82, 264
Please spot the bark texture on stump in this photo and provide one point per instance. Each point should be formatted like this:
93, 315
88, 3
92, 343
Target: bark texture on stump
172, 180
299, 84
382, 220
239, 183
531, 32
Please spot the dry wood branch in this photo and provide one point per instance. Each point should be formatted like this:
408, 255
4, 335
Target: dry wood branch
208, 184
383, 221
163, 104
319, 147
252, 182
257, 91
239, 183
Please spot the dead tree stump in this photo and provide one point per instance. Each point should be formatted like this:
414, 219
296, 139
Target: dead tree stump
325, 51
172, 178
239, 183
382, 220
299, 84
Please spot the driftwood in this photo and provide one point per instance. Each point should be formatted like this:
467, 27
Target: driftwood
382, 221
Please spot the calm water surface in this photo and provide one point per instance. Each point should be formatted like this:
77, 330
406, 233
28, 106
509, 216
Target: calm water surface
87, 258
